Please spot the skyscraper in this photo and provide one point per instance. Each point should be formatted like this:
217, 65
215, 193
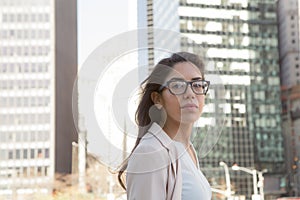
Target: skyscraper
288, 15
152, 16
36, 83
240, 41
240, 37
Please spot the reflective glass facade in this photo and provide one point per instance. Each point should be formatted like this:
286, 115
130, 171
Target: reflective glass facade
240, 39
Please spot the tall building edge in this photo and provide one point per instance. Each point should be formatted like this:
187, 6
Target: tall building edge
289, 45
65, 76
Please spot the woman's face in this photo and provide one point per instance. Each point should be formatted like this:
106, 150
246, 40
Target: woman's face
187, 107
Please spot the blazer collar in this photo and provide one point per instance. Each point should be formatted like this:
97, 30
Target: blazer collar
161, 135
167, 142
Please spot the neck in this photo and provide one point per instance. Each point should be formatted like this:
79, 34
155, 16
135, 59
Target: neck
179, 132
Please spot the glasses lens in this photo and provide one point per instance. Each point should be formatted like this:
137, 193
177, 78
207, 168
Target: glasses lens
200, 87
177, 87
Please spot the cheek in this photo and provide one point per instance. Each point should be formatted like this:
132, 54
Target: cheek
201, 101
171, 103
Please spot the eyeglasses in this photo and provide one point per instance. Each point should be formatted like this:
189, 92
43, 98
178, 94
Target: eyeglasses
178, 87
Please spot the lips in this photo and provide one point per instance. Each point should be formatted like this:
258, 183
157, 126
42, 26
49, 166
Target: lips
189, 105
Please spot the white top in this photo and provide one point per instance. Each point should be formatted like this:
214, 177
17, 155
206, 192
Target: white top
194, 185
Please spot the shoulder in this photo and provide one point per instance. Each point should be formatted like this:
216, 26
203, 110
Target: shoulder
149, 142
150, 155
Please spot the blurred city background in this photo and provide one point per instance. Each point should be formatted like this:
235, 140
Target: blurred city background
252, 45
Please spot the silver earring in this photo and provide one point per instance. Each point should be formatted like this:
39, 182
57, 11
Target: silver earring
158, 106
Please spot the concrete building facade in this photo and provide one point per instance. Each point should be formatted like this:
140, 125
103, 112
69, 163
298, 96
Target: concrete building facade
38, 65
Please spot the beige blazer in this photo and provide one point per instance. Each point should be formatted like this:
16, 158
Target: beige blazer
154, 171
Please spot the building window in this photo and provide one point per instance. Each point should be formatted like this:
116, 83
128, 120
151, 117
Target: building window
33, 17
3, 102
4, 18
18, 154
33, 102
46, 171
25, 153
19, 137
297, 66
11, 135
26, 36
25, 171
3, 154
40, 153
19, 18
31, 153
32, 134
31, 171
25, 17
25, 67
33, 82
10, 154
46, 153
39, 171
12, 18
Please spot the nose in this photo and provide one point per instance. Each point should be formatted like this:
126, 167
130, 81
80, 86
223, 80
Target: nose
189, 93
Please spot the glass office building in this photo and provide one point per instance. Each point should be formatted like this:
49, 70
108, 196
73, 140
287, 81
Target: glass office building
240, 38
241, 43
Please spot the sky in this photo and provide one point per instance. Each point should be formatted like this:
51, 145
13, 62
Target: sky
99, 20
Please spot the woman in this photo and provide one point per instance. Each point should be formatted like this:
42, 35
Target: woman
163, 163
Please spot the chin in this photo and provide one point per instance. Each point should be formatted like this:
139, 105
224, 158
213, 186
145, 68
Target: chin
189, 119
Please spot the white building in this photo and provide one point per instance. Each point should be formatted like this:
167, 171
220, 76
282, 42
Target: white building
26, 96
159, 32
31, 70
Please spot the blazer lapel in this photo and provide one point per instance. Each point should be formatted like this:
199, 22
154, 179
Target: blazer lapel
174, 185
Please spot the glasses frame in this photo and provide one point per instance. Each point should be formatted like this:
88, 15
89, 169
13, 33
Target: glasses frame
166, 85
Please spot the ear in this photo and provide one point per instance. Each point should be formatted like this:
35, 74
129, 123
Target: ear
156, 98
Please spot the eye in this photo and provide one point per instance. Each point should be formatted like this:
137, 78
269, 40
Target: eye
177, 85
198, 84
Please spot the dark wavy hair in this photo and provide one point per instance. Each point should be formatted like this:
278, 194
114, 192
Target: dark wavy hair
146, 112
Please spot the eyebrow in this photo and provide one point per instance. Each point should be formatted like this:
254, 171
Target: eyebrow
196, 78
180, 79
